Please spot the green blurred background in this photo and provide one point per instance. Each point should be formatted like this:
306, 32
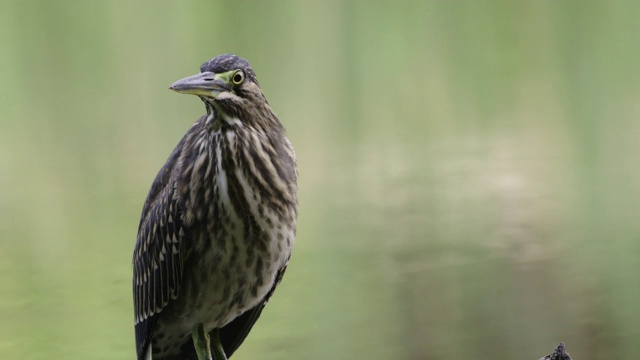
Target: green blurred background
469, 178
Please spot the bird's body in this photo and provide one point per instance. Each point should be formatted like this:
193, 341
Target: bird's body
219, 222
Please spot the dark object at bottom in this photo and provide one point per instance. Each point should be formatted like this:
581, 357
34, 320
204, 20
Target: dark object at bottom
558, 354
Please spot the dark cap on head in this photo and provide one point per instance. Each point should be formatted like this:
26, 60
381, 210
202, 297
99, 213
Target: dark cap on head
229, 62
224, 63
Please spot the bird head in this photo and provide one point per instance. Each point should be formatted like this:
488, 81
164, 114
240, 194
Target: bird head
226, 81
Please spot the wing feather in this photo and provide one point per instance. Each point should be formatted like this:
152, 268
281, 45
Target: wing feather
158, 254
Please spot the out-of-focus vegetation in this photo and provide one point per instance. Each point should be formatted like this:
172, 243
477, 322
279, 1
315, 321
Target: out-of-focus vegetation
469, 179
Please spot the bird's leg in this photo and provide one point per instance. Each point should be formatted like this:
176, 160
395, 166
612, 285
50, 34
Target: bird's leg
218, 350
201, 342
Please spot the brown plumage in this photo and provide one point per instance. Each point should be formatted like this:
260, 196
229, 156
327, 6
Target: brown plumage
219, 222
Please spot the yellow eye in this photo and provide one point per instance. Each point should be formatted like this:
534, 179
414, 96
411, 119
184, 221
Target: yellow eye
237, 78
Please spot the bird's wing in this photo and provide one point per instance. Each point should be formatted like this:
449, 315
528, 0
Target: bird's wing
157, 258
233, 334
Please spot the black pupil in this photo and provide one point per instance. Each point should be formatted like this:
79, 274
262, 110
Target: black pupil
237, 78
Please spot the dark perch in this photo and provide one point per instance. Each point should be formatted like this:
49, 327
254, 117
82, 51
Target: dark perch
558, 354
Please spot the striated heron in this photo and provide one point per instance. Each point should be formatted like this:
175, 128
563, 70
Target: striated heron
219, 222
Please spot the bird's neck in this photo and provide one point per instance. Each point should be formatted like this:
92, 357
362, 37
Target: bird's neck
218, 117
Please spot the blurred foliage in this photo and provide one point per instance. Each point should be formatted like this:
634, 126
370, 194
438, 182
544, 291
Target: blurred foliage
469, 180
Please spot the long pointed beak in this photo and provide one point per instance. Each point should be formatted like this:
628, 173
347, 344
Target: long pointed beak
203, 84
